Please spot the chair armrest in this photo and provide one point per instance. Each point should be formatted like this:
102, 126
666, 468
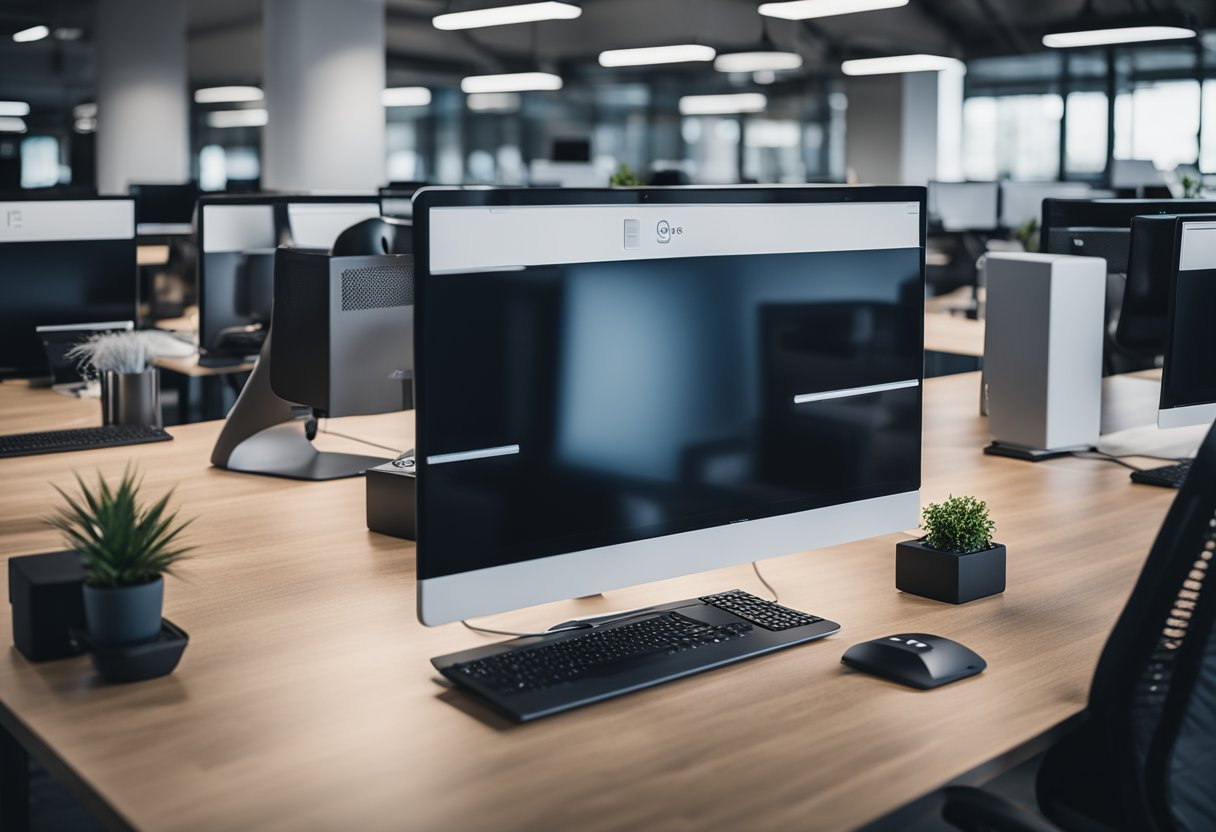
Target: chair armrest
975, 810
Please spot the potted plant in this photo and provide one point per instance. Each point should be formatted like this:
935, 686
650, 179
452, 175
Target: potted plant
956, 561
624, 178
127, 548
130, 386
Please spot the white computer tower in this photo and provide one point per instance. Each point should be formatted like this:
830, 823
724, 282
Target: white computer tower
1043, 352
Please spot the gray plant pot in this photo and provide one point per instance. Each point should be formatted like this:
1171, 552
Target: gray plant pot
131, 398
125, 614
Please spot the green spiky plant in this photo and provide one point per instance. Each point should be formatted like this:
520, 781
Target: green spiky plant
122, 541
960, 525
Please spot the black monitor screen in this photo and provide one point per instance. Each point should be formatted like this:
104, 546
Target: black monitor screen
52, 282
630, 399
1146, 296
1188, 376
165, 204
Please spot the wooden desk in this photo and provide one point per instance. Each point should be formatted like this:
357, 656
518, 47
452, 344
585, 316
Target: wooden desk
306, 700
25, 409
954, 334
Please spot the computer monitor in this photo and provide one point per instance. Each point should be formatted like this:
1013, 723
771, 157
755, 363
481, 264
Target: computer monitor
964, 206
1143, 316
164, 209
396, 200
1188, 376
1022, 202
1102, 227
62, 261
1131, 174
620, 386
237, 237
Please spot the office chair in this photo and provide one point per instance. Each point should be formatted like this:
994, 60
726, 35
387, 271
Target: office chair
1144, 758
377, 235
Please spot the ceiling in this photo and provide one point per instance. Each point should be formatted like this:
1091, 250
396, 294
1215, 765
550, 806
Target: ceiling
225, 37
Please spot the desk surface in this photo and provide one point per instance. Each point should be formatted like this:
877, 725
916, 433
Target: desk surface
306, 700
954, 334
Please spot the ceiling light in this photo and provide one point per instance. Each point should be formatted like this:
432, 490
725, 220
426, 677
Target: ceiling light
506, 15
714, 105
9, 124
14, 108
88, 110
227, 95
85, 125
648, 55
406, 97
237, 118
1090, 31
899, 63
31, 34
807, 9
757, 61
68, 33
493, 102
511, 82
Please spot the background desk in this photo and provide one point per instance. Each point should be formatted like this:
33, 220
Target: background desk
306, 700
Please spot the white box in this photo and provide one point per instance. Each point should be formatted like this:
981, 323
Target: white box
1043, 349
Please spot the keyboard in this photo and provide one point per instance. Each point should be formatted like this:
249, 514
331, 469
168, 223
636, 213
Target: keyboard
541, 675
80, 439
1167, 476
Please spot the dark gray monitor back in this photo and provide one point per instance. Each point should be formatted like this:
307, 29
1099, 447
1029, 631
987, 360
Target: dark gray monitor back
343, 332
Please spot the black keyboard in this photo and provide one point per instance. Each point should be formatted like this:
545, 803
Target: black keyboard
541, 675
80, 439
1167, 476
767, 614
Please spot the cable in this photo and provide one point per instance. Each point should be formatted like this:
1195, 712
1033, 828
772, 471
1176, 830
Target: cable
580, 625
1099, 456
324, 428
767, 585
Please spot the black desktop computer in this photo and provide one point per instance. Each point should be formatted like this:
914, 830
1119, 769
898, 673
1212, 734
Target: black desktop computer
164, 208
1102, 227
62, 261
621, 386
237, 238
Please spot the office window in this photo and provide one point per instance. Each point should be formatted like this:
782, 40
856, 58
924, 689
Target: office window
772, 151
1085, 142
713, 148
402, 161
40, 166
1160, 122
1013, 135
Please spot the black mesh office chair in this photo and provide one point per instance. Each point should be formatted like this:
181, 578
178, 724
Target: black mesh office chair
378, 235
1145, 756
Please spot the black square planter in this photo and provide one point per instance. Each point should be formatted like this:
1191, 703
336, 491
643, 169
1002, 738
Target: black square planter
47, 603
945, 576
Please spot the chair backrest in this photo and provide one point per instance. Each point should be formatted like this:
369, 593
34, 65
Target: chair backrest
377, 235
1154, 691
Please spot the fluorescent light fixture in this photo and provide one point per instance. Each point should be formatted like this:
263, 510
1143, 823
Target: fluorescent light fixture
227, 95
648, 55
406, 97
493, 102
68, 33
511, 82
715, 105
237, 118
899, 63
1117, 34
10, 124
757, 61
85, 125
87, 110
31, 34
506, 15
14, 108
808, 9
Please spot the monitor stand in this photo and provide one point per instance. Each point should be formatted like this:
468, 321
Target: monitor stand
263, 436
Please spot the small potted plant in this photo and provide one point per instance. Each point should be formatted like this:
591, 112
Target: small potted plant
956, 561
127, 547
130, 385
624, 178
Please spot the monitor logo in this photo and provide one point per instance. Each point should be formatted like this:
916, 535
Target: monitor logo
665, 231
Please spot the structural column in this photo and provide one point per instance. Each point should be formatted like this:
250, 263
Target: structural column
143, 108
323, 78
905, 129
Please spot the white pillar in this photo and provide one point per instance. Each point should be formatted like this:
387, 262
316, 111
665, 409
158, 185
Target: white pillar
143, 109
323, 78
906, 128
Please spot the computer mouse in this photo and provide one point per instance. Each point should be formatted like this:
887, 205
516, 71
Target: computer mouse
918, 660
